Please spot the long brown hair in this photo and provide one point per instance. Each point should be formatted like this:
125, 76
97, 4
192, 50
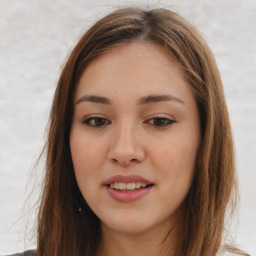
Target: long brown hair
66, 225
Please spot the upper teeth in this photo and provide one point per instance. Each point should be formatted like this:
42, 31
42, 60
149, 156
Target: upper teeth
127, 186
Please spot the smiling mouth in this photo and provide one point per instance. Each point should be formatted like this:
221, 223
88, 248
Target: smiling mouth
131, 186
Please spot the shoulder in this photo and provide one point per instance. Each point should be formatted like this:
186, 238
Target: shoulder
26, 253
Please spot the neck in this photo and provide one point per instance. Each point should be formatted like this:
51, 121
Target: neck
160, 241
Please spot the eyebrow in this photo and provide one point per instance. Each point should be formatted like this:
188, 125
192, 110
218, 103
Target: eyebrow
141, 101
94, 99
159, 98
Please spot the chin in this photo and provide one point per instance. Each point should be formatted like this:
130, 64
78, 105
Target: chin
125, 229
129, 224
126, 224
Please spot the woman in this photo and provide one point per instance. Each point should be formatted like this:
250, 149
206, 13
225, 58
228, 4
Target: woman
140, 154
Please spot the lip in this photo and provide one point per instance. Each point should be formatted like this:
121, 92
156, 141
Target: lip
126, 179
127, 196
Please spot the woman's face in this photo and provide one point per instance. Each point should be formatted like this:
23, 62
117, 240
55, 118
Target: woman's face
134, 138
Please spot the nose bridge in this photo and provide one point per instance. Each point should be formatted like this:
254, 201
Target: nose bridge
125, 146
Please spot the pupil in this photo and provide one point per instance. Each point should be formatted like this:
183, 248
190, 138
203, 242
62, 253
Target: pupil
99, 121
159, 121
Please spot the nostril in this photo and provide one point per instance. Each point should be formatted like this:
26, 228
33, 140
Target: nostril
126, 155
124, 162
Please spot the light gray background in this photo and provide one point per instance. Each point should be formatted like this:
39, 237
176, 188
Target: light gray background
35, 38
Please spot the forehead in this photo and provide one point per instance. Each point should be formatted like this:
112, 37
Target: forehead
138, 50
135, 53
133, 69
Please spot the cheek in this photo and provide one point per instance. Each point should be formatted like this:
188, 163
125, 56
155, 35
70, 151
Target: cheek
175, 159
86, 162
87, 154
88, 157
175, 167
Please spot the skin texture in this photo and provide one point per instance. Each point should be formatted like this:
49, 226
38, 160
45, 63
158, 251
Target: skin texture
129, 140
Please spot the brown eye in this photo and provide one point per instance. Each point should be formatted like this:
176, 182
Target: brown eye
96, 121
161, 121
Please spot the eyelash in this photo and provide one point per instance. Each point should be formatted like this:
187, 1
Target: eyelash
87, 121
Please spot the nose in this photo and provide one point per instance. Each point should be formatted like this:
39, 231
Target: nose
125, 147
